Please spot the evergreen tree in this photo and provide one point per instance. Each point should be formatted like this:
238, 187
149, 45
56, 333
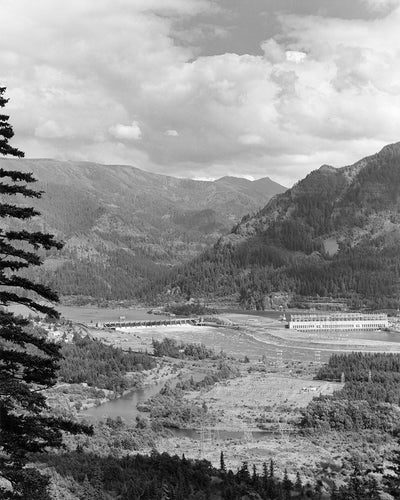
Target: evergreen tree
88, 492
28, 362
392, 480
222, 462
298, 485
287, 485
244, 473
271, 468
254, 476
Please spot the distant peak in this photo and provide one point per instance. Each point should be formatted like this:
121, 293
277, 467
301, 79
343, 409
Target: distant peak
231, 178
327, 168
391, 150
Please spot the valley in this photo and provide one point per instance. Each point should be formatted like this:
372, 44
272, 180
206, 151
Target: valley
237, 384
331, 238
122, 226
253, 416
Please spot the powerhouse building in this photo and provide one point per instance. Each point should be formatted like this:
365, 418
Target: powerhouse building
337, 321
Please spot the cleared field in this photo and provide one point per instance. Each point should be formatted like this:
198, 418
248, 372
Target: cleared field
240, 405
262, 400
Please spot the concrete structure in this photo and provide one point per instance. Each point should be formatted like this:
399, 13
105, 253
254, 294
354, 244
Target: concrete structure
337, 321
153, 322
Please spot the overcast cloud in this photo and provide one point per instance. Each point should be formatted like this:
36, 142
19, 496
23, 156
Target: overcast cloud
127, 81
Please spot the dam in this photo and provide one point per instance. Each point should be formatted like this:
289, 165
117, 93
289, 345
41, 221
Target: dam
113, 325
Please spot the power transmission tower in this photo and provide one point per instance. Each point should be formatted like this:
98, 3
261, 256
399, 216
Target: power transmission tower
247, 434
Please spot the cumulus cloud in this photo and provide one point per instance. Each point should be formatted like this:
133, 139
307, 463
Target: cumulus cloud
295, 56
171, 133
126, 132
326, 91
51, 130
379, 5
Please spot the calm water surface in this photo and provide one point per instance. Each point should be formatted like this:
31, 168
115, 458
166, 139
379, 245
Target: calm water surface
125, 407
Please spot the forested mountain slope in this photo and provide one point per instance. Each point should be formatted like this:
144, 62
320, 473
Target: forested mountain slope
335, 234
120, 224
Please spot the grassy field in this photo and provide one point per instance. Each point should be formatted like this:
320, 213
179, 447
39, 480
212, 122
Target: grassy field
262, 400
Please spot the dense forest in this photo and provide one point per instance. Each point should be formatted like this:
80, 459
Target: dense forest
283, 247
369, 399
161, 476
365, 275
170, 477
115, 276
102, 366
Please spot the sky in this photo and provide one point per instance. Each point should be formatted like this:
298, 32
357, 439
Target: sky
203, 88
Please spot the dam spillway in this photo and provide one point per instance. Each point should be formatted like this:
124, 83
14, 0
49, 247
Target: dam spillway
141, 323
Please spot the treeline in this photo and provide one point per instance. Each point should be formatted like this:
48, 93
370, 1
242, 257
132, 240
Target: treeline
170, 347
366, 274
165, 476
369, 398
356, 366
102, 366
162, 476
195, 309
225, 371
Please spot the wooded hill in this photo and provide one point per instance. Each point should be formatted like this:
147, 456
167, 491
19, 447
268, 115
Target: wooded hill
122, 225
335, 234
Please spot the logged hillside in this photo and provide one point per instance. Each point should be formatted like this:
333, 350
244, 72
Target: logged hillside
335, 234
122, 226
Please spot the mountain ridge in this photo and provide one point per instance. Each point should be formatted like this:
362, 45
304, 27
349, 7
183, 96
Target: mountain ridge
334, 233
124, 217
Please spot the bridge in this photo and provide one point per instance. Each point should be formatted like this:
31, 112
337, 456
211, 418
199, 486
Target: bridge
150, 322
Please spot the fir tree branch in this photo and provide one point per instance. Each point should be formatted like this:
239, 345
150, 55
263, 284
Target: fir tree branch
36, 239
17, 212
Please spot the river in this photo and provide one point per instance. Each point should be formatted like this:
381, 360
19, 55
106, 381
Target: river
125, 406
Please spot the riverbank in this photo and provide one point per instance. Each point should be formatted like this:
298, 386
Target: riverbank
77, 399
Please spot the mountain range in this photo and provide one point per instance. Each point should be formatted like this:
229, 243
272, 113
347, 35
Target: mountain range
122, 225
334, 236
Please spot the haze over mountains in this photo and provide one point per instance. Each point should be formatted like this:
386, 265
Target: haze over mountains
335, 234
120, 223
